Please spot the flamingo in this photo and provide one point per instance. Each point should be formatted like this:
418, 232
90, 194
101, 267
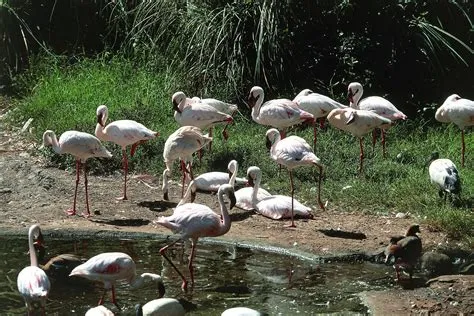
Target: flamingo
193, 221
110, 267
82, 146
443, 172
376, 104
358, 123
33, 283
182, 144
221, 106
122, 133
406, 250
293, 152
317, 104
241, 311
273, 206
244, 196
211, 181
100, 310
161, 306
278, 113
188, 112
458, 111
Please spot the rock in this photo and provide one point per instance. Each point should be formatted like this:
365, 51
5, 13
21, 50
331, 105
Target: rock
434, 264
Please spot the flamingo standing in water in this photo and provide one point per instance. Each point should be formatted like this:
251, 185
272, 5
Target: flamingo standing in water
458, 111
358, 123
211, 181
293, 152
376, 104
82, 146
278, 113
317, 104
33, 283
122, 133
110, 267
193, 221
273, 206
182, 144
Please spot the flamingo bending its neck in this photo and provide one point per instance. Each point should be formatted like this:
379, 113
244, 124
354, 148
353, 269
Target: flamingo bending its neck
122, 133
82, 146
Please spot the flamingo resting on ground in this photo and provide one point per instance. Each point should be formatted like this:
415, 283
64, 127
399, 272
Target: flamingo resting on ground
122, 133
82, 146
181, 145
278, 113
211, 181
406, 250
110, 267
33, 283
376, 104
193, 221
293, 152
458, 111
358, 123
244, 196
161, 306
274, 206
317, 104
445, 175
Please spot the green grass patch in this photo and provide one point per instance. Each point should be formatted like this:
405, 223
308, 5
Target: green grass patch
61, 96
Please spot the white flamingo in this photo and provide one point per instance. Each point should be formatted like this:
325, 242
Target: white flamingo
211, 181
82, 146
293, 152
33, 283
161, 306
278, 113
221, 106
358, 123
100, 310
376, 104
181, 145
241, 311
244, 196
274, 206
110, 267
458, 111
317, 104
193, 221
445, 175
122, 133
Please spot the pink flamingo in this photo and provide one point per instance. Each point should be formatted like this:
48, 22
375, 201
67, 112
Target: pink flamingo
245, 196
317, 104
376, 104
458, 111
278, 113
221, 106
192, 220
82, 146
182, 144
122, 133
110, 267
33, 283
358, 123
293, 152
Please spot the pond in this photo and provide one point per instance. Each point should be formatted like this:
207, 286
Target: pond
225, 276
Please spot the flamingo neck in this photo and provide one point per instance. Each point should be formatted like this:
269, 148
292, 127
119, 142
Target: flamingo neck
99, 132
53, 140
256, 187
224, 228
256, 108
31, 246
355, 101
138, 281
232, 178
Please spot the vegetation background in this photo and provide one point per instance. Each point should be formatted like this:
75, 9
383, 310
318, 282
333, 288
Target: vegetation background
61, 59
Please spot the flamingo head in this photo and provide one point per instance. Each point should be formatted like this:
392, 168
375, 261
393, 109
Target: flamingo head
255, 94
353, 89
178, 98
102, 113
272, 136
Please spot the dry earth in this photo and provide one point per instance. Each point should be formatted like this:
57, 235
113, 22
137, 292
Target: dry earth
33, 191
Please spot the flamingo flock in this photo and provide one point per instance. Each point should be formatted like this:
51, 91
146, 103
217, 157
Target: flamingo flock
192, 220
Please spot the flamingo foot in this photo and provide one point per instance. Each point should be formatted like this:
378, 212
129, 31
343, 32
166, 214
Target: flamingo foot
86, 215
225, 134
122, 198
70, 212
184, 286
292, 225
321, 205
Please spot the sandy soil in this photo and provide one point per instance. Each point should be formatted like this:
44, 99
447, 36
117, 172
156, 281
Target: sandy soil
31, 190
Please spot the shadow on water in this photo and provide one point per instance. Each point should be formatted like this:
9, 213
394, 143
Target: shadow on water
157, 206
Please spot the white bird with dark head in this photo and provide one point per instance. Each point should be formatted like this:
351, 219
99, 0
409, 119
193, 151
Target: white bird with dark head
445, 175
100, 310
164, 306
376, 104
82, 146
33, 283
241, 311
193, 221
460, 112
122, 133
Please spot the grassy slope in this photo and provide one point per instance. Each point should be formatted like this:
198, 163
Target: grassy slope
65, 98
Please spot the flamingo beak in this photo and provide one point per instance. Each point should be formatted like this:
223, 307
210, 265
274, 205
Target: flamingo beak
252, 100
161, 289
250, 181
175, 106
268, 144
233, 200
351, 118
350, 95
99, 119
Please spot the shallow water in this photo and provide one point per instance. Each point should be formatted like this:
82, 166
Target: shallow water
225, 276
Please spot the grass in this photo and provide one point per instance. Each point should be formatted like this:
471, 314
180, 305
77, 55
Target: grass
62, 96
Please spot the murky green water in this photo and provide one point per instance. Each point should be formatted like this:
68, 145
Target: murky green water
225, 276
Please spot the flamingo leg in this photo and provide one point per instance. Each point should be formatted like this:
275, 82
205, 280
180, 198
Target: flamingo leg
210, 143
134, 147
315, 135
292, 199
384, 151
101, 300
321, 122
191, 258
183, 169
86, 182
114, 300
125, 171
321, 205
361, 154
184, 285
73, 210
463, 148
374, 139
224, 132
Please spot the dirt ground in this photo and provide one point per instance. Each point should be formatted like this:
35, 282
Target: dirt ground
33, 191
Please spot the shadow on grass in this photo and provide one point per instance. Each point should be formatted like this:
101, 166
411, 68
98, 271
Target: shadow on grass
240, 215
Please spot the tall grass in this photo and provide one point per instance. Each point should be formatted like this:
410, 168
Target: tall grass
63, 96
